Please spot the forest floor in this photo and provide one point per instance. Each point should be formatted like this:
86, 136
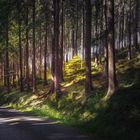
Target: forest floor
115, 119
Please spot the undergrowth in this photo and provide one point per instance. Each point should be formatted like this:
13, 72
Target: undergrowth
115, 119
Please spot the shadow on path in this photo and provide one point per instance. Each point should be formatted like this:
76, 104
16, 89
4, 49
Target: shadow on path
15, 125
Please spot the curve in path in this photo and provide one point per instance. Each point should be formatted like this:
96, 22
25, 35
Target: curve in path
15, 125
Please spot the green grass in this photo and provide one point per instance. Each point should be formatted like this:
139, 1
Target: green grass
115, 119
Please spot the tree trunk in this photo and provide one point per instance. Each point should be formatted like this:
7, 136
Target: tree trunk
45, 52
129, 32
34, 50
7, 57
136, 21
122, 31
106, 45
96, 33
27, 50
61, 43
40, 53
14, 72
83, 32
73, 44
20, 47
56, 44
88, 13
76, 33
111, 49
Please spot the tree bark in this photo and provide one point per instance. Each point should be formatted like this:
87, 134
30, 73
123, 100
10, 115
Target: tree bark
45, 51
88, 14
61, 43
136, 21
27, 50
76, 33
111, 50
7, 83
20, 47
56, 44
34, 49
129, 31
40, 53
106, 45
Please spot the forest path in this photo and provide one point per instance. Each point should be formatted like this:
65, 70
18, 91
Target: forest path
15, 125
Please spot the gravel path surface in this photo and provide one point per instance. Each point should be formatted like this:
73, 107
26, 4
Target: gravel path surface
15, 125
